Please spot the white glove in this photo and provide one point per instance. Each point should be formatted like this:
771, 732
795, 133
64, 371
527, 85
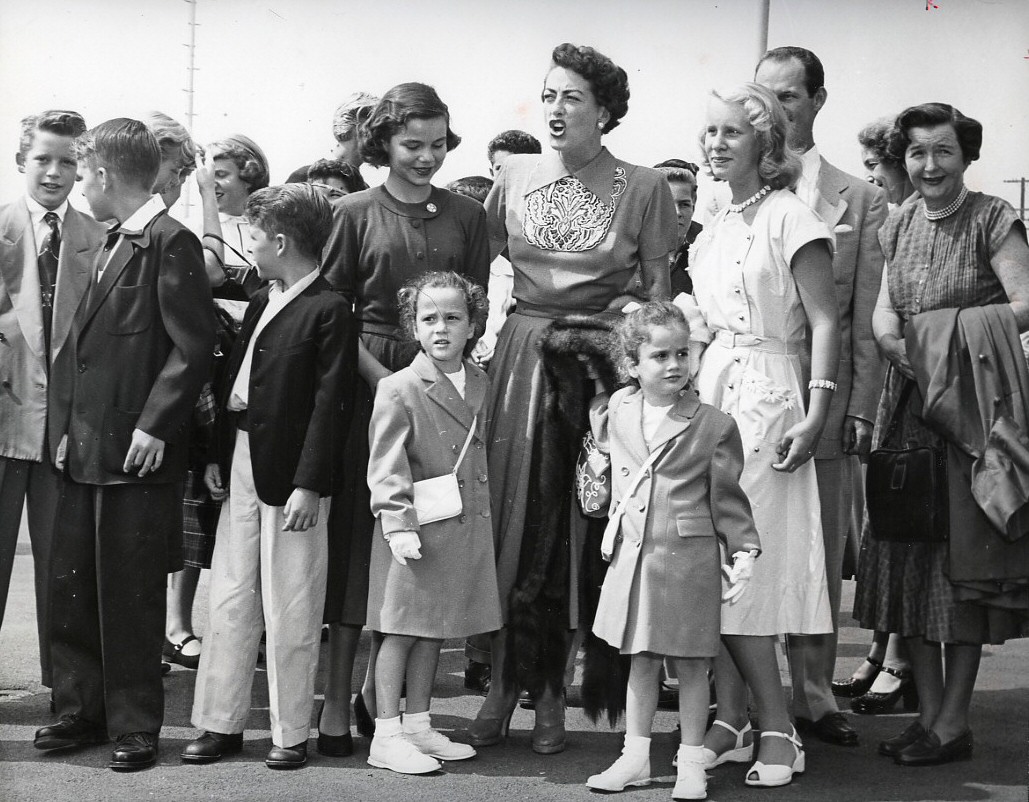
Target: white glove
405, 546
739, 575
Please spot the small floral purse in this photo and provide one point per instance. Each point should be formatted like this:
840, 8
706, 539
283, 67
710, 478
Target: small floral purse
593, 478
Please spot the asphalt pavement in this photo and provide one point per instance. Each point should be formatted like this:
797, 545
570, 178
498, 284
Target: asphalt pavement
505, 773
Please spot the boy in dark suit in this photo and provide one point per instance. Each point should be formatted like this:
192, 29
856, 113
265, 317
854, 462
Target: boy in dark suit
142, 342
282, 419
46, 248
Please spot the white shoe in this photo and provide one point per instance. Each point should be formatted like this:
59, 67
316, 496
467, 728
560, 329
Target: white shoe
771, 775
691, 780
740, 753
435, 744
627, 770
396, 753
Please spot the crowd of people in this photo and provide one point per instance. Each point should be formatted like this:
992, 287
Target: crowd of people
364, 408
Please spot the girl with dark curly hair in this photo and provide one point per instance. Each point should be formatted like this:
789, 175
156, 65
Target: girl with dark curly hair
580, 226
382, 239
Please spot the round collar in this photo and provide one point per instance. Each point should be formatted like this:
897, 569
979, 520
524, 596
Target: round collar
426, 210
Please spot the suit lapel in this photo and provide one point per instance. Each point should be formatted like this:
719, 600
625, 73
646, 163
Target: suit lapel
632, 413
830, 204
21, 274
124, 250
678, 419
73, 275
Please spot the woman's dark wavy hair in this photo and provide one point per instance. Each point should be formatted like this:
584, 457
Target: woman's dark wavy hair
608, 81
410, 101
927, 115
877, 137
474, 295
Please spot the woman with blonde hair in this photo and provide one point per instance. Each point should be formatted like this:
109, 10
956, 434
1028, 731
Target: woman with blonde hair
762, 290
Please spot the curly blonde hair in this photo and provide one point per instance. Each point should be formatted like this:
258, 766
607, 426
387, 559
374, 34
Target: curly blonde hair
779, 165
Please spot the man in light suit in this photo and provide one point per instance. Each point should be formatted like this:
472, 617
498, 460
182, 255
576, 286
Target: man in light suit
143, 338
46, 249
854, 210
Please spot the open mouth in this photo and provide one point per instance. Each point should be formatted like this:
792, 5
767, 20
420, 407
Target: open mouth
557, 127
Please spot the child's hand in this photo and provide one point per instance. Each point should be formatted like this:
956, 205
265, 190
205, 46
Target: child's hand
301, 510
145, 452
739, 575
405, 546
214, 483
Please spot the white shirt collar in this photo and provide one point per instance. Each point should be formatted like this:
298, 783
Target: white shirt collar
282, 297
37, 211
138, 220
812, 162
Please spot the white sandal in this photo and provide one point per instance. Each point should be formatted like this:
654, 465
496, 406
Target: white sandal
740, 753
771, 775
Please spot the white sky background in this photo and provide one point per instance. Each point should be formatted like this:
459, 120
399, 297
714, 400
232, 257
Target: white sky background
276, 69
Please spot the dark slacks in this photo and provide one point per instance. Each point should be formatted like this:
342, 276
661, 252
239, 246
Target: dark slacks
37, 484
110, 565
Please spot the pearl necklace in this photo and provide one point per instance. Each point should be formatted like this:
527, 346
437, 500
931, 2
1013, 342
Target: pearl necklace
739, 207
949, 209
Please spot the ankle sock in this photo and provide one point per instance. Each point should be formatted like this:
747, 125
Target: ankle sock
388, 727
416, 722
636, 745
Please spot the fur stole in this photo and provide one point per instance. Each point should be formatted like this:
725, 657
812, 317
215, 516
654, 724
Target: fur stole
538, 620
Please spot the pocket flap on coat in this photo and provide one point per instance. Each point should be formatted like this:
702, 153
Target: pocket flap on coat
695, 526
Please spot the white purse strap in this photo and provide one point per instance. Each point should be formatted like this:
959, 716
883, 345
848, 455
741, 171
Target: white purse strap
607, 544
467, 442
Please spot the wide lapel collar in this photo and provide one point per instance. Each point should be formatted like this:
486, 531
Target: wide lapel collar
73, 275
830, 204
678, 419
21, 273
597, 176
632, 413
123, 252
441, 391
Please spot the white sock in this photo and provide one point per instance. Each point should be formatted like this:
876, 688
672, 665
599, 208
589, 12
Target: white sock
416, 722
636, 745
688, 754
387, 727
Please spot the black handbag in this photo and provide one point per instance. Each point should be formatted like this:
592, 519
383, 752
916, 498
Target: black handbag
906, 488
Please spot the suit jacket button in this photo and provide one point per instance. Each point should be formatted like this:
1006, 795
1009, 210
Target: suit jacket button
455, 448
82, 367
625, 471
484, 513
460, 482
483, 478
463, 518
479, 446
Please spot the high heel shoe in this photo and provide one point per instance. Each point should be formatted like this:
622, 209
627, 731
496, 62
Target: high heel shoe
772, 775
333, 745
872, 703
851, 688
486, 731
740, 753
362, 718
549, 738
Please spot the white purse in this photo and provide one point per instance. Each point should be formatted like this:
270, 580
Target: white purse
439, 498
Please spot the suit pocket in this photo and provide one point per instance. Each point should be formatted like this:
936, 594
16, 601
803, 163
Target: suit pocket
130, 310
696, 526
116, 439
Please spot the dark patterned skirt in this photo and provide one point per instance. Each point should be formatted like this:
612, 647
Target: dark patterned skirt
199, 522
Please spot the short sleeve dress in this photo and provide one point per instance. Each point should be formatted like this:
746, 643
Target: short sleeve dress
575, 243
377, 245
944, 264
755, 369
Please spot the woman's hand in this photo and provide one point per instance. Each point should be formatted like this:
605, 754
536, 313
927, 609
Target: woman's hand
204, 176
797, 446
405, 546
896, 351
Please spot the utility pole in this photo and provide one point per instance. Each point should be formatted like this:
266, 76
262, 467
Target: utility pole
190, 72
1021, 201
762, 39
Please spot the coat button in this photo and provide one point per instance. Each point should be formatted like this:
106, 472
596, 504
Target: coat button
420, 255
479, 446
625, 471
641, 506
484, 513
460, 482
454, 448
483, 478
463, 518
416, 224
82, 367
3, 339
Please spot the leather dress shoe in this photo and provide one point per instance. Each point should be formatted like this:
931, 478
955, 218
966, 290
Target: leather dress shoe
212, 746
833, 728
287, 757
134, 751
70, 731
928, 751
892, 747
